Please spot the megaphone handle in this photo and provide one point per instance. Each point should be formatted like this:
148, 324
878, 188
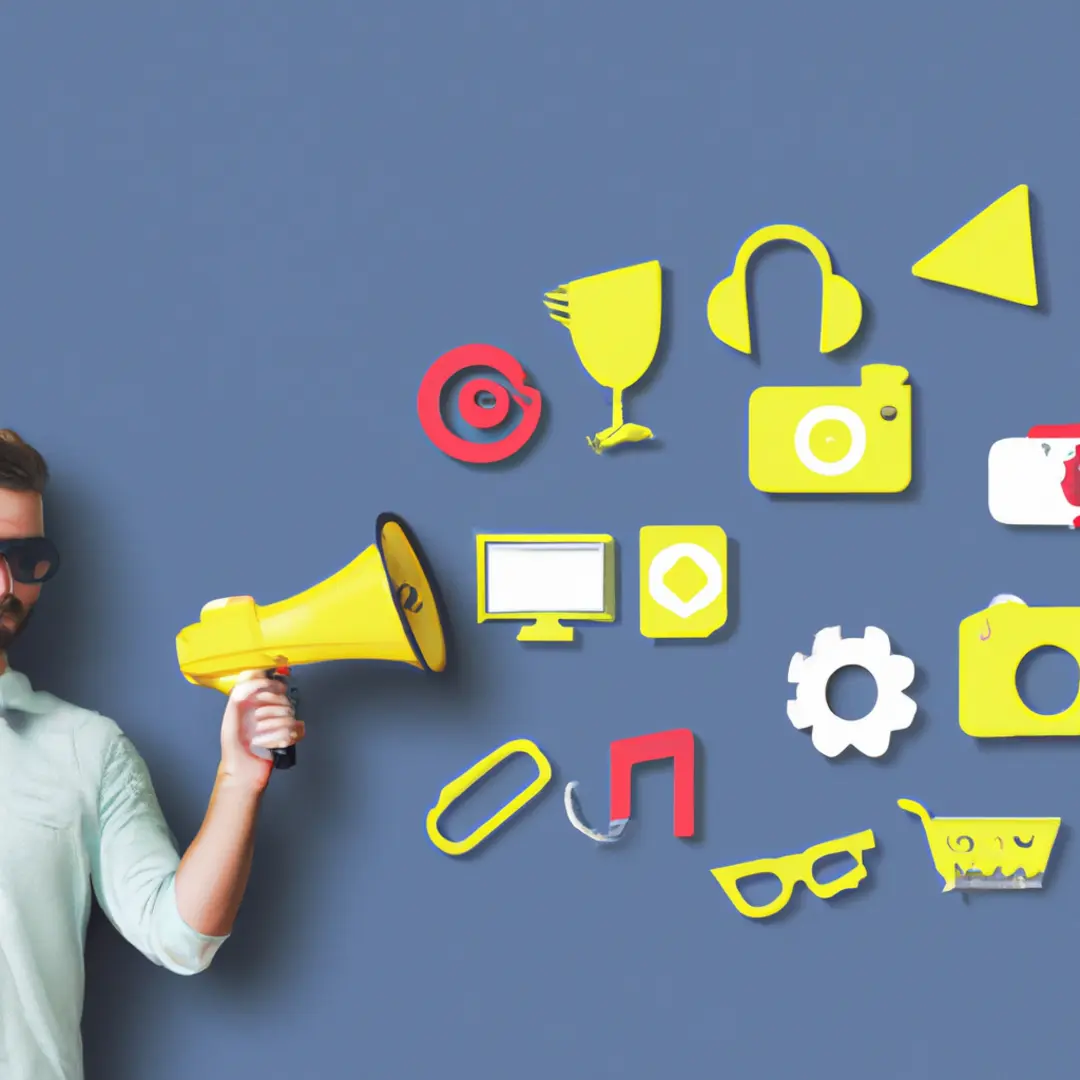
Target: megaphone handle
285, 756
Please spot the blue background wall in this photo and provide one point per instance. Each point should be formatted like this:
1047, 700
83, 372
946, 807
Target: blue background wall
232, 242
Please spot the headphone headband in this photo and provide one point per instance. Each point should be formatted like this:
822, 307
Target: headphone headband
841, 306
795, 233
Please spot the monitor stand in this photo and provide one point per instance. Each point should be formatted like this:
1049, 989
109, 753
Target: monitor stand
546, 628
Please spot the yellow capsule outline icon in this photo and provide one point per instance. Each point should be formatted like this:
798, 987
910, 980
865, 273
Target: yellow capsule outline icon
458, 786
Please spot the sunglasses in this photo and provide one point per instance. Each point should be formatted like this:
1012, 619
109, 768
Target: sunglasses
31, 559
791, 869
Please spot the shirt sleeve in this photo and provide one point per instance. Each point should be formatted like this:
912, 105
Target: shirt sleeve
133, 867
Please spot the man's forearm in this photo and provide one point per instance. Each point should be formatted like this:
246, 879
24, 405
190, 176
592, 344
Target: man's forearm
213, 873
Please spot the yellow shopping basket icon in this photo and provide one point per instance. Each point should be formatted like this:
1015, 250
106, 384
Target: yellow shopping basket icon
988, 853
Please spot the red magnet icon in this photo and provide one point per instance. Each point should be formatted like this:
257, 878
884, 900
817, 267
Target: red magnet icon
473, 412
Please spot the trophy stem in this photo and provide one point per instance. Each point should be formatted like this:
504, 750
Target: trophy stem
616, 408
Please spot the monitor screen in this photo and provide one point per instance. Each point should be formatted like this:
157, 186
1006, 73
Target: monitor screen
535, 576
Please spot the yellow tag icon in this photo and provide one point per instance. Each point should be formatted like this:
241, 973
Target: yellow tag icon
684, 588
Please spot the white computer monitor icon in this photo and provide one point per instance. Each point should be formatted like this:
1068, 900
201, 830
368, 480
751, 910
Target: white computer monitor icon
542, 578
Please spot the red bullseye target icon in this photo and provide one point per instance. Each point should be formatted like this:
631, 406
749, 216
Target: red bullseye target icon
483, 403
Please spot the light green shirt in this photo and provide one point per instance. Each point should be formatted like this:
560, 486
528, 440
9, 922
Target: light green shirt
77, 808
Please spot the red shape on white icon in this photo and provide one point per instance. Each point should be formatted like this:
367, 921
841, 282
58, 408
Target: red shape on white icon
1035, 480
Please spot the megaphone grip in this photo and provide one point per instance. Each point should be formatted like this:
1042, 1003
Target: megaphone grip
285, 756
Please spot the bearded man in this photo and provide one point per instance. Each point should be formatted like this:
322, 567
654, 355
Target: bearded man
79, 817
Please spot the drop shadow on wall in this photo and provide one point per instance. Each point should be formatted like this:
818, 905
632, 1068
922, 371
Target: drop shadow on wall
53, 653
1038, 240
1028, 744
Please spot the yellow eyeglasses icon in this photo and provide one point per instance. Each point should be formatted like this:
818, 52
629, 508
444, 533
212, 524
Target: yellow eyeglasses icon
791, 869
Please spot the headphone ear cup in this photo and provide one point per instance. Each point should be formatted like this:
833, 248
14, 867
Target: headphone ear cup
729, 317
841, 312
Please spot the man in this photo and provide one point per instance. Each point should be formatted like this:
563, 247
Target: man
78, 810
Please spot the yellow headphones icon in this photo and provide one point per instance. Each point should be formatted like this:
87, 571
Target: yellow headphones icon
841, 306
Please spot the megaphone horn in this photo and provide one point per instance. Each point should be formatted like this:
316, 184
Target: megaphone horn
381, 606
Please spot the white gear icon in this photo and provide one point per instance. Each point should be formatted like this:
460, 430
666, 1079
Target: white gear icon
893, 674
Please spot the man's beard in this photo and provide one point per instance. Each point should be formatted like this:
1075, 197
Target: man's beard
12, 605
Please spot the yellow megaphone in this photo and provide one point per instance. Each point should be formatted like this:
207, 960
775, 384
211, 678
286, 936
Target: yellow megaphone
380, 607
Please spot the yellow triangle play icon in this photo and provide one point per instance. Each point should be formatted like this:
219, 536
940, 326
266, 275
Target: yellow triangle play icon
991, 254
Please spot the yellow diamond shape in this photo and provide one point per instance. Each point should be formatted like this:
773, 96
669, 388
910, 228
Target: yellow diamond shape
686, 579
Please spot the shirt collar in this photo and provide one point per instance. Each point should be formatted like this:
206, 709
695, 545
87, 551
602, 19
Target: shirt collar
15, 690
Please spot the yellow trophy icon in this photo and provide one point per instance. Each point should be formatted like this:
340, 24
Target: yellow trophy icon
614, 323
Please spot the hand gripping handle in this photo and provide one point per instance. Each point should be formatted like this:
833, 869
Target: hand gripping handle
285, 756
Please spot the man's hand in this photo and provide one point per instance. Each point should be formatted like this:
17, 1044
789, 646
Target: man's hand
259, 716
213, 873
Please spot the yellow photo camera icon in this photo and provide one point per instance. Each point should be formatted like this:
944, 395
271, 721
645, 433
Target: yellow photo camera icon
833, 438
993, 642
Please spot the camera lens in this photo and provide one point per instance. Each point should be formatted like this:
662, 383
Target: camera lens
888, 412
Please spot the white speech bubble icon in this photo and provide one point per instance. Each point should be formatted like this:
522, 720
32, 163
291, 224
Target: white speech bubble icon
1024, 477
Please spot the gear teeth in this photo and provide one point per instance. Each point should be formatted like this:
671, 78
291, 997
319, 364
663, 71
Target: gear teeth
877, 642
904, 714
828, 741
873, 742
893, 673
901, 672
800, 719
826, 639
795, 668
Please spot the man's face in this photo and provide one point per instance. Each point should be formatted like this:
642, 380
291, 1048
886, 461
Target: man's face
20, 515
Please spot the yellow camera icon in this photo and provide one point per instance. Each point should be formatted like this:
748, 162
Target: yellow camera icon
993, 642
833, 438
